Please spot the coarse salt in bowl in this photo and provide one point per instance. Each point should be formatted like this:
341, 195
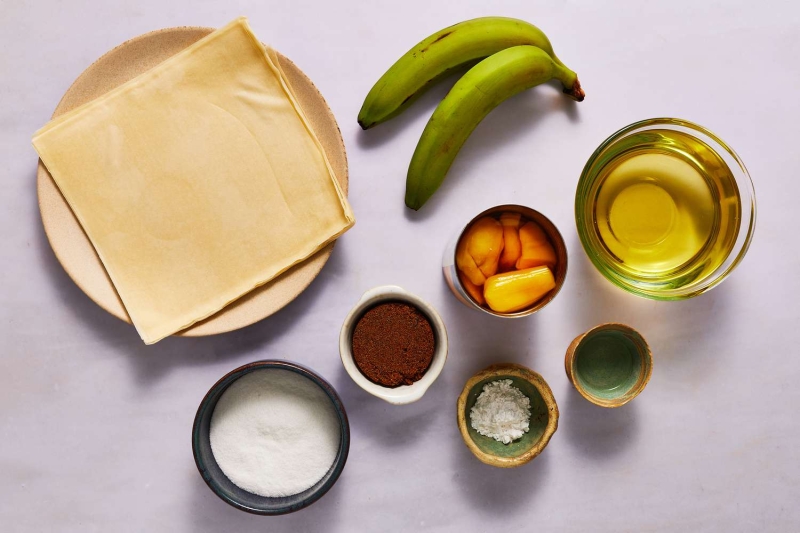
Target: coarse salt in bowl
543, 420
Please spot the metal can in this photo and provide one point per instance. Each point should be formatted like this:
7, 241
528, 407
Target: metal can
453, 280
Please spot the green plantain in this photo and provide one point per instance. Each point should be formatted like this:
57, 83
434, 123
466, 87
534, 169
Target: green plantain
449, 50
481, 89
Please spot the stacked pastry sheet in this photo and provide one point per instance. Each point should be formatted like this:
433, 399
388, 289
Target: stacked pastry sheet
197, 181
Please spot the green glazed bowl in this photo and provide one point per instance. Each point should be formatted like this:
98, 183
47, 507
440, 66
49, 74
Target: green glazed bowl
543, 423
609, 365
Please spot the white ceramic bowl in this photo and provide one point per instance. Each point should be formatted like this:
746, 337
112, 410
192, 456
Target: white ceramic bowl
404, 393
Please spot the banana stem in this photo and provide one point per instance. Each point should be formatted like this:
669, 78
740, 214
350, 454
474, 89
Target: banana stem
575, 91
572, 87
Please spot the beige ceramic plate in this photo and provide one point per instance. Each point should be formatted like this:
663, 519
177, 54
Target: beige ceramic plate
73, 248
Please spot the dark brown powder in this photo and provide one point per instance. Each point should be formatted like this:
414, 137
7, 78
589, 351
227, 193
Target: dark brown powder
393, 344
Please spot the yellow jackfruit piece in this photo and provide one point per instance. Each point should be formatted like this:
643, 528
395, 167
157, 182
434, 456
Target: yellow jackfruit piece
515, 291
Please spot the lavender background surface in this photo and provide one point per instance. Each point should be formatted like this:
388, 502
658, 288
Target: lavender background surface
95, 426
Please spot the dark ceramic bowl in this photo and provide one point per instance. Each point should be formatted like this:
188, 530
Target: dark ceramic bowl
224, 487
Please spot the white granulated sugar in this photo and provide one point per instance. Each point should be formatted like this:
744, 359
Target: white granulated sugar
501, 412
274, 433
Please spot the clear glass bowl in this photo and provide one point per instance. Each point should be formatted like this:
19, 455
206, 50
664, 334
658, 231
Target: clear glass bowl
676, 288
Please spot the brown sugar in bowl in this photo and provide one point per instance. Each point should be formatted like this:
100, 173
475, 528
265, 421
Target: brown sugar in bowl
404, 393
393, 344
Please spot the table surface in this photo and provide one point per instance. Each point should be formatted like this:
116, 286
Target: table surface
95, 426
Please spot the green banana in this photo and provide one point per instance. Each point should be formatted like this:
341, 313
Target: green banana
481, 89
451, 49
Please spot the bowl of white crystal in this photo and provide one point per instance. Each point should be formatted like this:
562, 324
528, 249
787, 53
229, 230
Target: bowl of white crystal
271, 437
507, 415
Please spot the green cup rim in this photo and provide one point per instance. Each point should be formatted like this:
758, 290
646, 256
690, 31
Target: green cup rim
639, 343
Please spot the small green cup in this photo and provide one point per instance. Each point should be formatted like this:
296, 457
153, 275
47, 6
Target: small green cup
609, 365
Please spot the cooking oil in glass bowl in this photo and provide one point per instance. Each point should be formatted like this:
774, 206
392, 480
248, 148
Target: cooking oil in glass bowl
659, 211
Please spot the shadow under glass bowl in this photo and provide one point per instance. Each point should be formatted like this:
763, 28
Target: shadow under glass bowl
224, 487
680, 284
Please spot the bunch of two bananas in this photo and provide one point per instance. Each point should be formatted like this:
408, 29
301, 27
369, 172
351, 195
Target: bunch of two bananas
506, 56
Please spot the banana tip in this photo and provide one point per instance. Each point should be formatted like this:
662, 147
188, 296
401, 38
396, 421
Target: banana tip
411, 203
